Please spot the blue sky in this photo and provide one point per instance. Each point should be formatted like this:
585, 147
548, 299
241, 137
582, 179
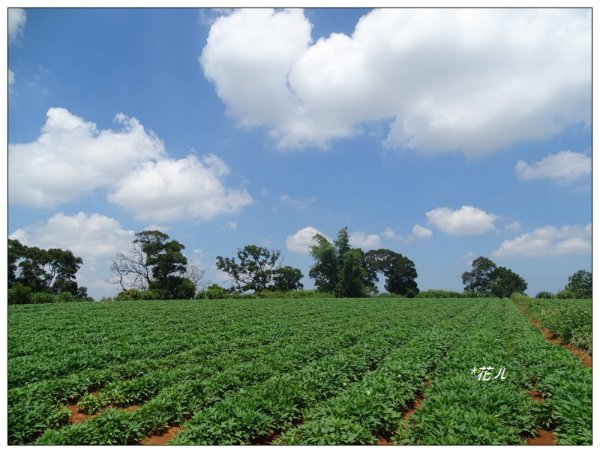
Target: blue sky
441, 134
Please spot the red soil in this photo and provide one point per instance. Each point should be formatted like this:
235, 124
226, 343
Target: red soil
79, 417
542, 436
76, 415
163, 438
416, 404
412, 407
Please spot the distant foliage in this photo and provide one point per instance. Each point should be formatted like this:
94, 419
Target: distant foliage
349, 272
137, 294
486, 279
439, 294
580, 285
544, 295
258, 269
37, 275
155, 263
214, 291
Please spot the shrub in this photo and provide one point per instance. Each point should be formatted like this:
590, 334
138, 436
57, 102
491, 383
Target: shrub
19, 294
544, 295
136, 294
44, 298
519, 297
566, 294
297, 294
214, 291
439, 294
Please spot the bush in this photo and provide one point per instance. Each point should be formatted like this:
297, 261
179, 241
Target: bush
544, 295
519, 297
214, 291
439, 294
136, 294
566, 294
296, 294
19, 294
44, 298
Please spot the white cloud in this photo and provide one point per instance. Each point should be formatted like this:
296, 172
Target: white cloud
421, 232
469, 257
232, 226
170, 189
11, 79
467, 220
298, 203
549, 241
302, 240
363, 240
389, 233
248, 57
565, 166
474, 80
514, 226
72, 157
417, 232
92, 235
95, 238
16, 23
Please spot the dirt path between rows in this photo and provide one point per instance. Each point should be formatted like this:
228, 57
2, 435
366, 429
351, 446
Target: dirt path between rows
550, 337
411, 408
542, 436
163, 438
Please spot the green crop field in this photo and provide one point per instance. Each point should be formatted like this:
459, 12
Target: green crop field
569, 320
314, 371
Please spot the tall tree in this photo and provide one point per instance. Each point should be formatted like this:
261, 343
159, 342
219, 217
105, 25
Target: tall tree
325, 269
254, 268
481, 278
154, 262
507, 282
353, 275
52, 270
287, 278
399, 271
341, 269
580, 284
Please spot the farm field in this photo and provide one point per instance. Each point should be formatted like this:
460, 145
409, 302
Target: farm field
569, 320
289, 372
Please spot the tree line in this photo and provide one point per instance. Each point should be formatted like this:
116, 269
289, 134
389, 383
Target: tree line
154, 267
36, 275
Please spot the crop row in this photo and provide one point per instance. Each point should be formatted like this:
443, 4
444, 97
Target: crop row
300, 372
25, 421
173, 404
570, 320
97, 339
465, 408
373, 406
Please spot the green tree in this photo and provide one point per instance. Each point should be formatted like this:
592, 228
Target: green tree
481, 278
507, 282
287, 278
341, 269
399, 271
43, 270
353, 275
580, 285
254, 268
154, 263
325, 269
